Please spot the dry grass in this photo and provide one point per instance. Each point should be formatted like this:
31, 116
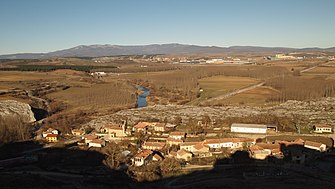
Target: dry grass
13, 76
98, 97
220, 85
255, 97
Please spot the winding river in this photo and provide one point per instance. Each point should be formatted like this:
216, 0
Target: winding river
142, 98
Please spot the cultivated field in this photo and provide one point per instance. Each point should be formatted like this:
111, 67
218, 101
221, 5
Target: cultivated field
255, 97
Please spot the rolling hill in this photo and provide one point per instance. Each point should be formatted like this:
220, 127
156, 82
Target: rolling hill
173, 48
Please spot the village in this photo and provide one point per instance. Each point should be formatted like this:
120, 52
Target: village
149, 142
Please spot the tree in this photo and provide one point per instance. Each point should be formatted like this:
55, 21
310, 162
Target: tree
169, 166
13, 129
112, 150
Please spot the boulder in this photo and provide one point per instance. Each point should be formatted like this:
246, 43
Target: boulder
12, 107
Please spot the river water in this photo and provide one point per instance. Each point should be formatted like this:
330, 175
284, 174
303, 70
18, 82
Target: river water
142, 98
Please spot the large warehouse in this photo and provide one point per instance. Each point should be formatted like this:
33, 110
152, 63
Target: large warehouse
249, 128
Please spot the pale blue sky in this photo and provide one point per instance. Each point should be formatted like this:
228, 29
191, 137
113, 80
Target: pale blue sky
48, 25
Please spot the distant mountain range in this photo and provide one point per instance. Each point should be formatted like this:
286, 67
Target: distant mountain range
174, 48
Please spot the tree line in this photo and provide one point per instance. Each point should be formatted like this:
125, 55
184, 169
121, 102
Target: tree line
48, 68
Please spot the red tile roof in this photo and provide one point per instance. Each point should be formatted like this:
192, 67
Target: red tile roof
177, 133
97, 141
314, 144
143, 154
90, 137
157, 157
141, 125
51, 135
182, 152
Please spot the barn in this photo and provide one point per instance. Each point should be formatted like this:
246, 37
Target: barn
248, 128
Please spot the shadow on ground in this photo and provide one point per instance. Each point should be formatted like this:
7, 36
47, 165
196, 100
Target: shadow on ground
74, 168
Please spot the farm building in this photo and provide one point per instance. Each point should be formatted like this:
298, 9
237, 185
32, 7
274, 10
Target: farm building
251, 128
322, 128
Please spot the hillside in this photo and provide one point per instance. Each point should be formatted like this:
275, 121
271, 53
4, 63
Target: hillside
173, 48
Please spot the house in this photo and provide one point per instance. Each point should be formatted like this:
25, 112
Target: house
153, 145
113, 131
50, 131
315, 146
201, 150
157, 157
182, 154
177, 135
142, 157
248, 128
98, 143
188, 146
158, 127
77, 132
262, 150
297, 142
52, 137
322, 128
89, 138
232, 143
172, 141
141, 127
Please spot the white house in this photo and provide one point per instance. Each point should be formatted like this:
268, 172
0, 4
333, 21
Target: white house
50, 131
315, 146
322, 128
142, 158
232, 143
248, 128
98, 143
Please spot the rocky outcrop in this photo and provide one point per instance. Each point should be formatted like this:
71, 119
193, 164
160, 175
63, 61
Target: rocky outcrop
12, 107
313, 111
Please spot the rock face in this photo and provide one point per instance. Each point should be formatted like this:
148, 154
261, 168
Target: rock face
12, 107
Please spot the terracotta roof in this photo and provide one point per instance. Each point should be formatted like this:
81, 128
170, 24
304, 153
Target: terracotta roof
275, 148
141, 125
269, 146
51, 135
314, 144
182, 152
143, 154
225, 140
290, 143
157, 157
189, 143
159, 125
90, 137
176, 133
155, 144
200, 146
97, 141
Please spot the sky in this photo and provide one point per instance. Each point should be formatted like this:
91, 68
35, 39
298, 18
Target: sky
47, 25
